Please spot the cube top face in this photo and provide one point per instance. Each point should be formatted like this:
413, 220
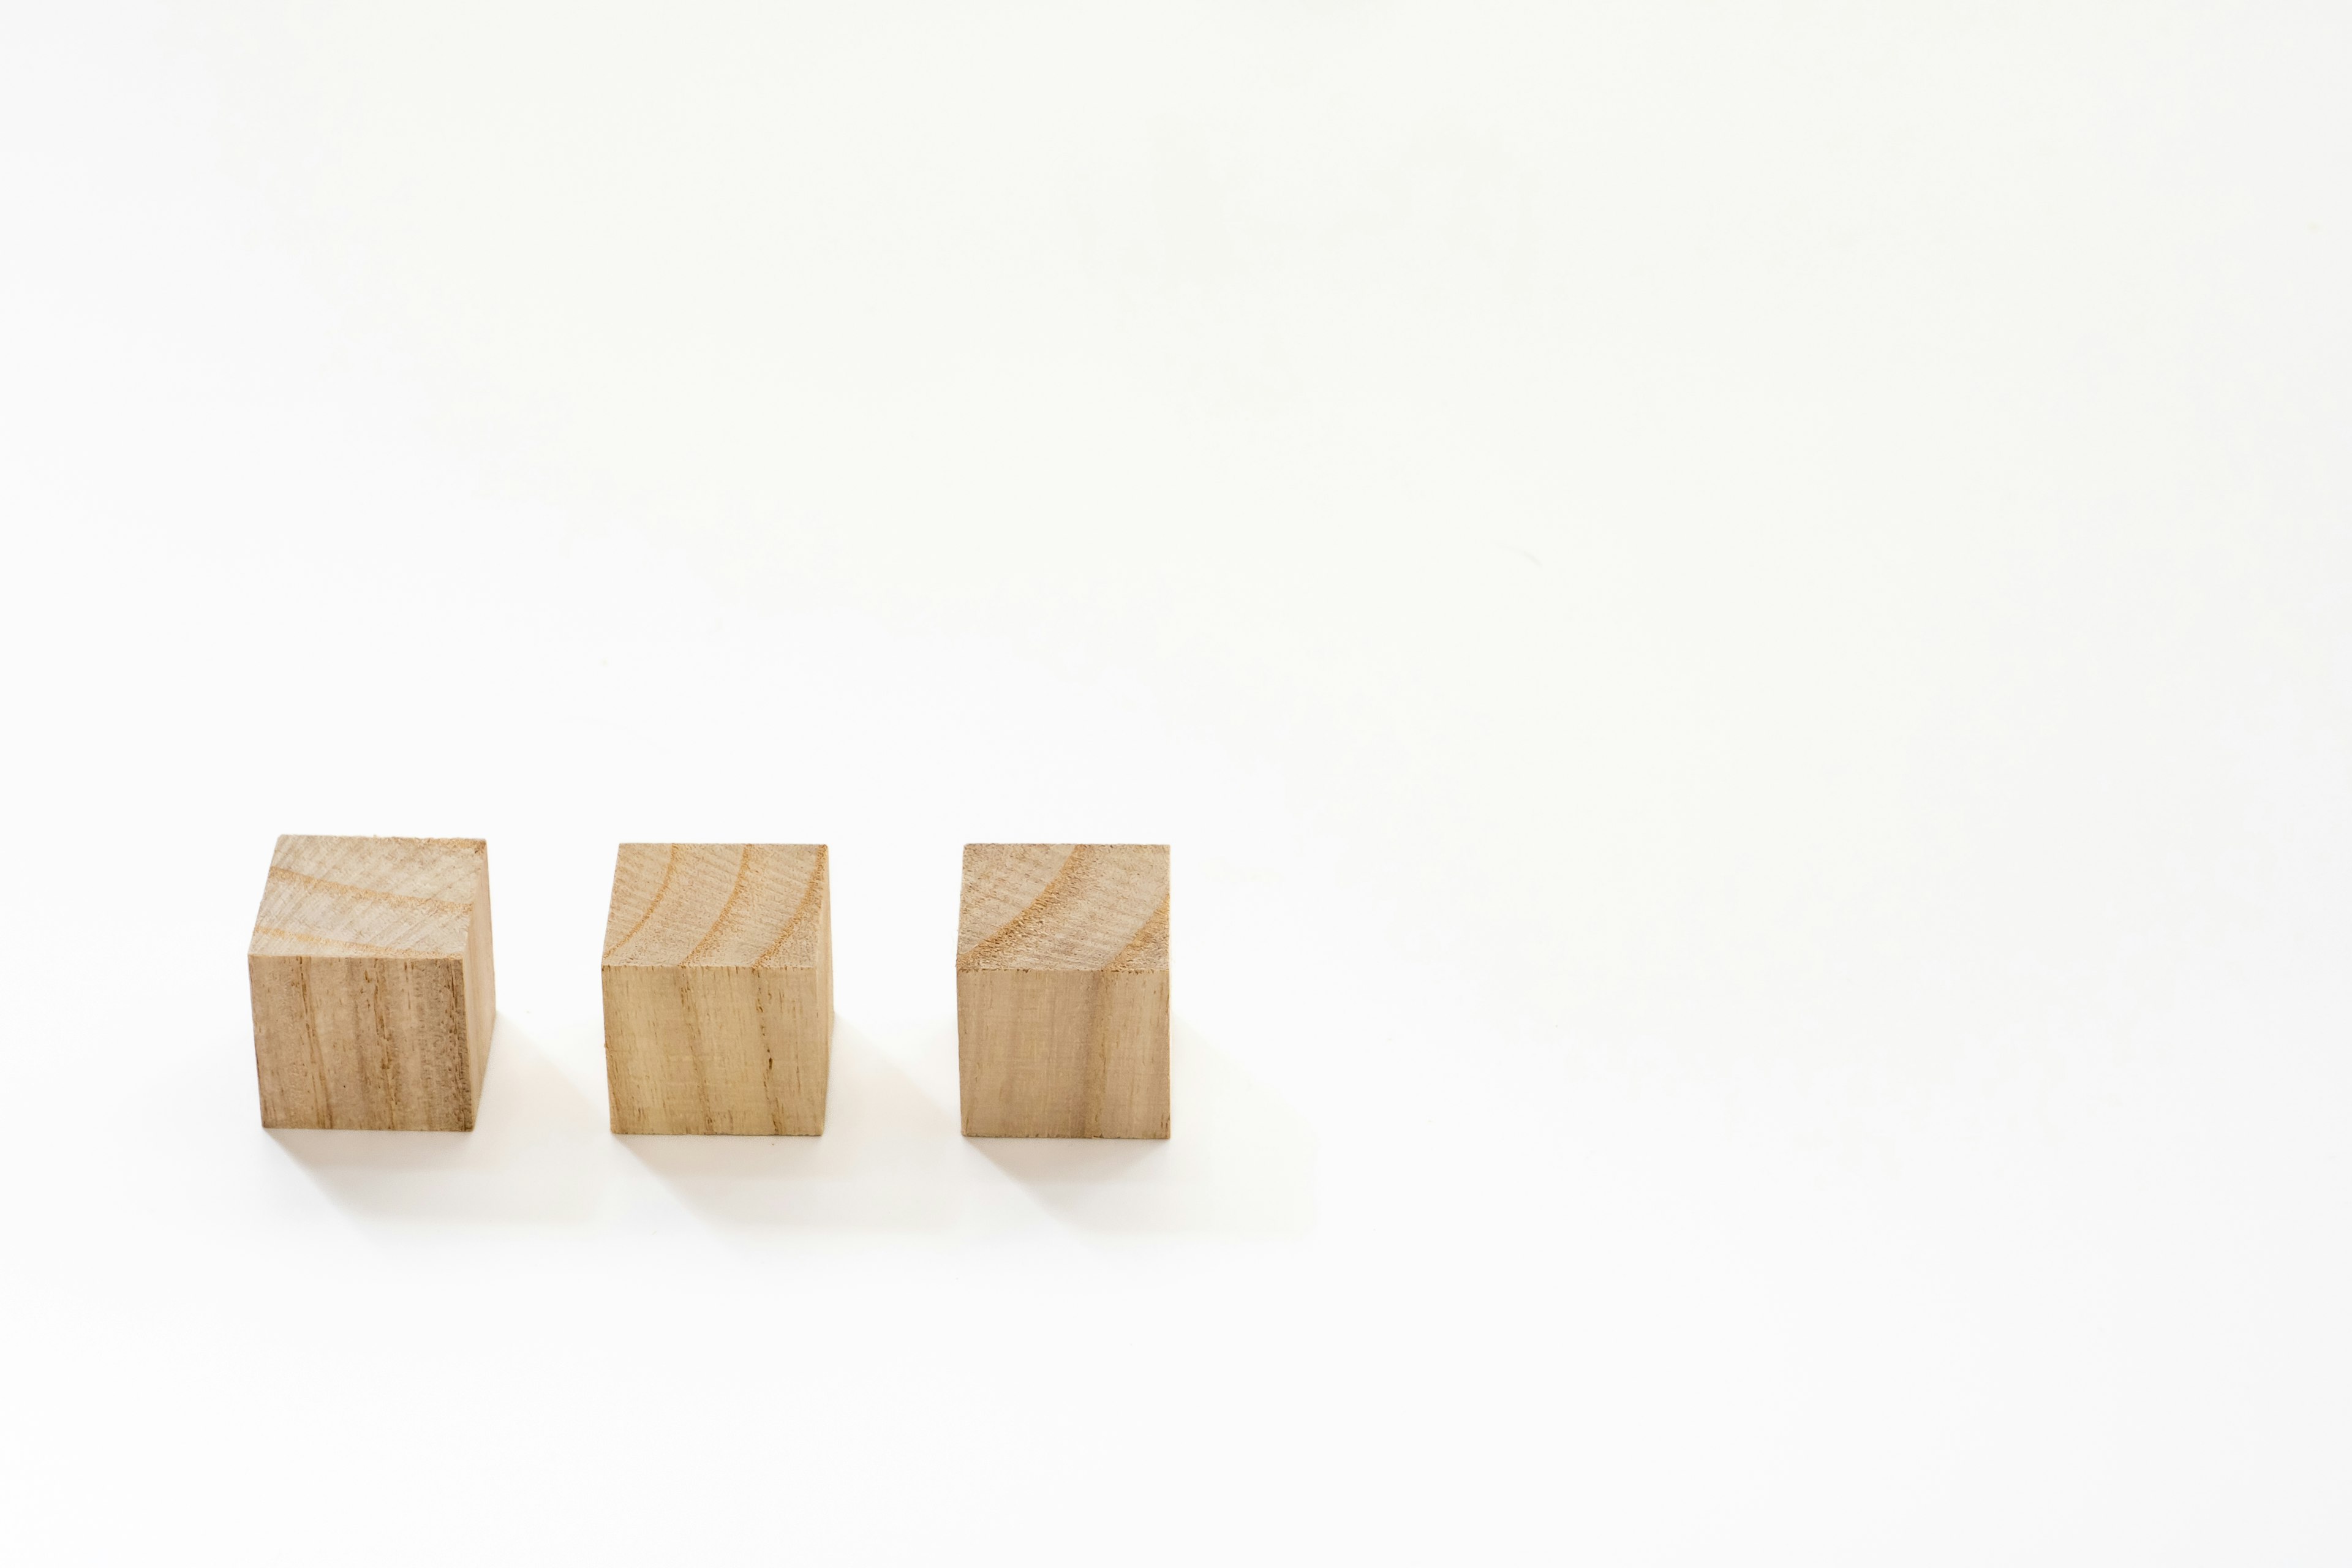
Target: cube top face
368, 897
736, 906
1064, 908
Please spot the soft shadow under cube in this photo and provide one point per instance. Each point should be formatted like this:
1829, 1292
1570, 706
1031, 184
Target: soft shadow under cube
373, 1001
719, 988
1062, 991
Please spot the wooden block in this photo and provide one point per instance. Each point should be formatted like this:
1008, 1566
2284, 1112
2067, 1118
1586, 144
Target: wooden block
719, 988
1062, 991
372, 1000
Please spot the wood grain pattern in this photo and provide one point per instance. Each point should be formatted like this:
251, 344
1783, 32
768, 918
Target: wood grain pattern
1062, 991
719, 988
373, 999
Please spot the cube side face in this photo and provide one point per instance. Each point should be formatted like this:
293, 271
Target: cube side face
481, 985
718, 1050
363, 1042
1063, 1054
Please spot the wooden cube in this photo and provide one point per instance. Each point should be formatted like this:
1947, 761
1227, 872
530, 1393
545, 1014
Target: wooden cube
372, 1000
719, 988
1062, 991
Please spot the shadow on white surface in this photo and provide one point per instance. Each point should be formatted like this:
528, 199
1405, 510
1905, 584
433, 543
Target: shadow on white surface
892, 1160
883, 1163
526, 1162
1238, 1161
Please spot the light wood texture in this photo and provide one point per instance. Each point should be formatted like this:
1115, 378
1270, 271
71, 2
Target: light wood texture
373, 996
719, 988
1062, 991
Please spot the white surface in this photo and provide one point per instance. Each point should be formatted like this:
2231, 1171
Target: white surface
1738, 617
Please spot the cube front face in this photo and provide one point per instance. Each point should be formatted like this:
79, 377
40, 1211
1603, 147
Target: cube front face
719, 988
1062, 991
372, 992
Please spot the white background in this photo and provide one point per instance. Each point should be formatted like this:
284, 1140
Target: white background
1737, 616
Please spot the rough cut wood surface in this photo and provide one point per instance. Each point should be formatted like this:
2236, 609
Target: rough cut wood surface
372, 995
1062, 991
719, 988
